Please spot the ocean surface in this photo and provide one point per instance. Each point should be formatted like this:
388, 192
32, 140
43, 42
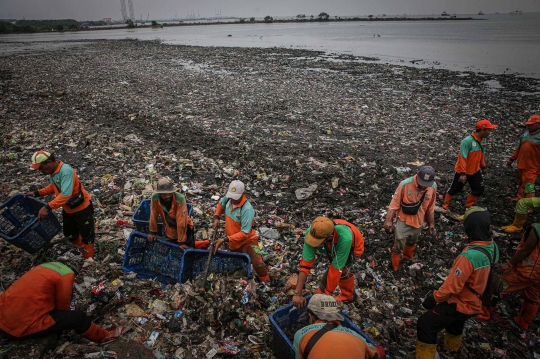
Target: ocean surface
496, 43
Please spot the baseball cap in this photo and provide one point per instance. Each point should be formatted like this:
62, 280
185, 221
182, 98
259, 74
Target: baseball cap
425, 176
324, 307
320, 229
165, 185
38, 157
533, 119
236, 190
480, 125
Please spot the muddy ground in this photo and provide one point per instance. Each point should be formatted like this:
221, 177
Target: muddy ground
123, 113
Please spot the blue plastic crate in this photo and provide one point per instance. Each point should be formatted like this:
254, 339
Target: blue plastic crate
287, 316
159, 259
20, 226
194, 263
141, 217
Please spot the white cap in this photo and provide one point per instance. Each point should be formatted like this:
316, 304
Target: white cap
236, 190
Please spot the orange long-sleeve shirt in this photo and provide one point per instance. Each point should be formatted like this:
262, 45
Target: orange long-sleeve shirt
470, 270
409, 192
177, 214
238, 222
25, 306
64, 185
471, 155
527, 153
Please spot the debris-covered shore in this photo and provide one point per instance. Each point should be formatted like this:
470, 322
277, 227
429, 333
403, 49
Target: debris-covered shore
309, 133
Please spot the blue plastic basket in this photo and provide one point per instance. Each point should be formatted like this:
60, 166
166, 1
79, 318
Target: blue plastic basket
20, 226
159, 259
141, 217
194, 263
287, 316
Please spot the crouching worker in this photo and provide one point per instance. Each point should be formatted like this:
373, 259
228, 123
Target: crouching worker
326, 338
522, 272
458, 299
239, 232
38, 304
523, 207
171, 206
338, 240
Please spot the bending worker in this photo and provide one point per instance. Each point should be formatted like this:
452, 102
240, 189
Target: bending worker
70, 194
326, 338
527, 155
458, 298
171, 206
470, 165
522, 272
239, 232
38, 304
338, 240
412, 204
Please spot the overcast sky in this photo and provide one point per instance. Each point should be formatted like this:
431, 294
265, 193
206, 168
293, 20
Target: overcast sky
158, 9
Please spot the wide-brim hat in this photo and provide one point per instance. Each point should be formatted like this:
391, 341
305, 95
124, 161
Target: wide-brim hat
320, 229
165, 185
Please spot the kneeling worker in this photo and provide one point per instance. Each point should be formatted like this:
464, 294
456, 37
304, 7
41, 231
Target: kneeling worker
326, 338
338, 240
171, 206
239, 232
38, 303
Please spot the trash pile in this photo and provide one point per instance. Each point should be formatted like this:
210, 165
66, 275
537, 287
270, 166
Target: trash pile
308, 133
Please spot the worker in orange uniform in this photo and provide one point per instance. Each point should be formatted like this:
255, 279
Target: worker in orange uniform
326, 338
470, 165
171, 206
338, 240
412, 204
522, 272
71, 196
239, 232
458, 298
527, 155
38, 303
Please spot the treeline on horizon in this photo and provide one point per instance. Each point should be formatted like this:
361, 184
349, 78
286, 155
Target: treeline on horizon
29, 26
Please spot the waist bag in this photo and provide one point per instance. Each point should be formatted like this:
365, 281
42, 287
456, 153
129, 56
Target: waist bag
412, 208
76, 200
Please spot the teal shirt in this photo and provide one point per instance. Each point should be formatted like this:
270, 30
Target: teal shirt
244, 214
64, 180
339, 251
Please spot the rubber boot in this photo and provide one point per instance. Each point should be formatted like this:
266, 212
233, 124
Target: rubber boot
395, 261
347, 289
78, 242
486, 313
447, 199
408, 252
425, 351
96, 333
517, 225
471, 200
526, 314
452, 342
202, 244
89, 250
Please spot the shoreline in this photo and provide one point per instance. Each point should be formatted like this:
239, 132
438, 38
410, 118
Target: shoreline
280, 120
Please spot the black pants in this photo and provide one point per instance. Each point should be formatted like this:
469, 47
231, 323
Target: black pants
80, 223
64, 320
443, 316
476, 181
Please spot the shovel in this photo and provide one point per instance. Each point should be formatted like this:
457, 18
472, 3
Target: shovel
202, 283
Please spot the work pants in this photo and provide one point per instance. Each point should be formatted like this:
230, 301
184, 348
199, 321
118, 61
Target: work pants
344, 271
80, 223
514, 281
254, 252
526, 179
64, 320
525, 204
476, 182
405, 235
442, 316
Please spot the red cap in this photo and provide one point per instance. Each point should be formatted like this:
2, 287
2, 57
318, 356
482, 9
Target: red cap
480, 125
534, 119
